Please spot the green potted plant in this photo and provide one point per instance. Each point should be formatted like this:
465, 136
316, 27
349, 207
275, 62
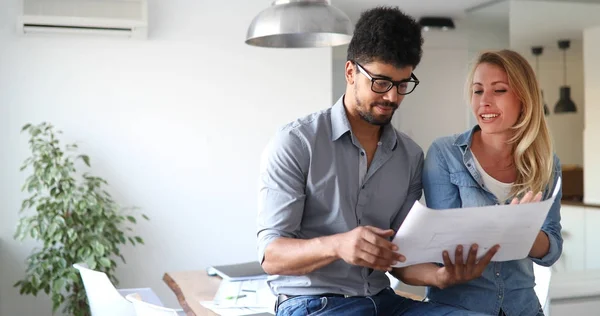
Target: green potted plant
73, 218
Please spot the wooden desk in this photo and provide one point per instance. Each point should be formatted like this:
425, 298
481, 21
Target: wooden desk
191, 287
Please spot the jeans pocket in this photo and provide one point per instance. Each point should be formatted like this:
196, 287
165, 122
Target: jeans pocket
316, 305
292, 307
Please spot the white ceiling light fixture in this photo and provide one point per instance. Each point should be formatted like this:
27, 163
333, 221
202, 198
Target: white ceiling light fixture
300, 24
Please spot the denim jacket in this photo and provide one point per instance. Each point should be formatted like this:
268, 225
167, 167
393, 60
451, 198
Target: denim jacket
451, 180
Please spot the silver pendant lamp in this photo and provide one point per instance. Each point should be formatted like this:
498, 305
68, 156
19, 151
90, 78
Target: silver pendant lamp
300, 24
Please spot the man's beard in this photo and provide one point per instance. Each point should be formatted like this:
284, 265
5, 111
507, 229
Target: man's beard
370, 117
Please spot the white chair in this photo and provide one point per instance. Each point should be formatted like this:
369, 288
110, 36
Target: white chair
147, 309
104, 299
542, 286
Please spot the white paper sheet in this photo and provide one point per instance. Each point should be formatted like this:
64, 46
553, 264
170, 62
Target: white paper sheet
236, 311
426, 233
247, 297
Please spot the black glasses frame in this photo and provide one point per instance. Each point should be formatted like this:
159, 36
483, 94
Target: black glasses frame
396, 84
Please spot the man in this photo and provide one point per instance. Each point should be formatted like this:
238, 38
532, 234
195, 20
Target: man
337, 184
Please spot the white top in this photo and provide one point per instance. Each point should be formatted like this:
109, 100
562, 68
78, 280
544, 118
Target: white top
500, 189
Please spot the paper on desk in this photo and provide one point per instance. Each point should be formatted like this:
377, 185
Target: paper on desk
426, 233
235, 311
247, 297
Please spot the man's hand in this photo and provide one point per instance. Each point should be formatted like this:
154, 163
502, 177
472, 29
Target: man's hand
459, 272
369, 247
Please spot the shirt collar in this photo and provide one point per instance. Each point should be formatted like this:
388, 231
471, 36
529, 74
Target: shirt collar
465, 139
340, 126
339, 121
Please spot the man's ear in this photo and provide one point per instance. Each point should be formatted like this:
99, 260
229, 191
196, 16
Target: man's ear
350, 72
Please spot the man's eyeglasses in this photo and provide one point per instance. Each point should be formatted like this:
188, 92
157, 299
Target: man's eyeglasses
380, 85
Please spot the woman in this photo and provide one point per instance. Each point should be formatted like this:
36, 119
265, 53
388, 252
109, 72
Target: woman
505, 157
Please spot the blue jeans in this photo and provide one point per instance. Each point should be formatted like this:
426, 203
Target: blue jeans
386, 302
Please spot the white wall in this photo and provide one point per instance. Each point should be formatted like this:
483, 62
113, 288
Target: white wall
175, 124
338, 69
487, 28
591, 51
567, 21
437, 107
566, 129
544, 21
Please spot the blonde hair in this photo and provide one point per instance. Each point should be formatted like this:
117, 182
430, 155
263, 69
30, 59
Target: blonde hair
532, 146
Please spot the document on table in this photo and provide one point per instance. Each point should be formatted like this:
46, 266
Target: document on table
247, 297
426, 233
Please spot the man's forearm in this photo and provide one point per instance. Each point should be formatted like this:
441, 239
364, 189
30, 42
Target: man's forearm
419, 275
541, 246
290, 256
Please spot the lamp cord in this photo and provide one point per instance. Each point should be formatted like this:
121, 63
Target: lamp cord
564, 67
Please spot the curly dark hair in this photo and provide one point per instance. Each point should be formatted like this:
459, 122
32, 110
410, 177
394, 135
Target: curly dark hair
388, 35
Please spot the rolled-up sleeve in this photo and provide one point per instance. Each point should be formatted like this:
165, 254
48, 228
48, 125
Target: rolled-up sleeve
282, 182
551, 225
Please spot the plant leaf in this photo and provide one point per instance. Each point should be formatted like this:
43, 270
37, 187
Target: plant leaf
105, 262
57, 285
85, 159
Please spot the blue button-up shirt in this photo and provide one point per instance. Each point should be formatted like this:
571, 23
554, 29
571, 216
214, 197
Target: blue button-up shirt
314, 182
451, 180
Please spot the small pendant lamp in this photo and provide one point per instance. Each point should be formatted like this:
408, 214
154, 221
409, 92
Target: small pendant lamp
565, 104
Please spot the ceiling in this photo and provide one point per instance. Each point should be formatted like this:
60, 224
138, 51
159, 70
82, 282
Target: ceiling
451, 8
416, 8
540, 21
553, 20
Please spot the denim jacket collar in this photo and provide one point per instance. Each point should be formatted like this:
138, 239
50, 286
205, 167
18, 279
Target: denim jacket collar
464, 140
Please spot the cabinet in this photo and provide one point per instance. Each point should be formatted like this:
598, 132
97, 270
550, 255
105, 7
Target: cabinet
574, 239
581, 235
592, 238
576, 276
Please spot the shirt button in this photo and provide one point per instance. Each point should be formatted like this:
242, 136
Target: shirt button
500, 296
362, 153
497, 273
379, 143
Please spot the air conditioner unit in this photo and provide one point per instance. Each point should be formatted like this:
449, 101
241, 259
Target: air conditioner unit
125, 18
